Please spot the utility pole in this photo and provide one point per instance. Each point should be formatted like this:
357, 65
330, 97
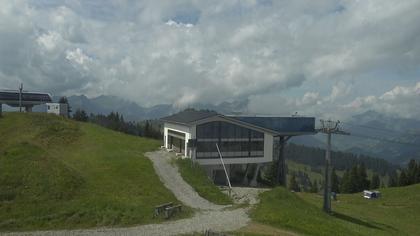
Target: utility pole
20, 97
329, 127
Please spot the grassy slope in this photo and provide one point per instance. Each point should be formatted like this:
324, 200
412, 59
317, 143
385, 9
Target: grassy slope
194, 175
57, 173
397, 213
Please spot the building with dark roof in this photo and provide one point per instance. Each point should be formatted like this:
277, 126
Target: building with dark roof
241, 139
25, 99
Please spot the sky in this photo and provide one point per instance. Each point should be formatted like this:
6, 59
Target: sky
320, 58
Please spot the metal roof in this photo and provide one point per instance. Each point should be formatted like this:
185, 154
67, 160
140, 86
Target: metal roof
11, 98
276, 125
281, 124
189, 116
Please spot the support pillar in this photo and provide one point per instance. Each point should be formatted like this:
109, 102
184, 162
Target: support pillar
245, 179
186, 147
281, 164
254, 182
28, 109
328, 170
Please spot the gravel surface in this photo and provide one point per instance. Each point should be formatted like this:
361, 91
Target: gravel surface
209, 216
171, 178
247, 195
214, 220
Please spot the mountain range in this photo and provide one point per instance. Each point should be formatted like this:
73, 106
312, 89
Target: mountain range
375, 134
394, 139
134, 112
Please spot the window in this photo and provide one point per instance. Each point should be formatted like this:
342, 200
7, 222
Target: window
234, 141
208, 130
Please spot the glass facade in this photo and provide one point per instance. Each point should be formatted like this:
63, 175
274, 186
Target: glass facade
233, 140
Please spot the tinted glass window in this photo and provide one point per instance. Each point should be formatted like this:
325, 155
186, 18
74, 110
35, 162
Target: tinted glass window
234, 141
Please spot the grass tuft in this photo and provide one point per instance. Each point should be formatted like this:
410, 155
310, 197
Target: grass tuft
195, 176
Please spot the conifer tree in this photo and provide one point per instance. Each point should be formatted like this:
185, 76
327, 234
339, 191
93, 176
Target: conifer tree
334, 182
354, 179
314, 187
418, 173
293, 185
147, 129
376, 182
403, 180
412, 172
393, 180
80, 115
363, 181
345, 186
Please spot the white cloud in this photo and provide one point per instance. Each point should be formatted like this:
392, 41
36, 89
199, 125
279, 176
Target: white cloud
184, 51
49, 40
399, 101
77, 56
173, 23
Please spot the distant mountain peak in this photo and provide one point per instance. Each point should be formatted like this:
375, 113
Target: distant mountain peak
131, 110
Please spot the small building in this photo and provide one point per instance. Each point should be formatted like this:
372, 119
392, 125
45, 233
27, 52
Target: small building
241, 139
26, 100
60, 109
371, 194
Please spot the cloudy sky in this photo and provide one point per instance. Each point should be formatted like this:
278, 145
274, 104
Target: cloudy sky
323, 58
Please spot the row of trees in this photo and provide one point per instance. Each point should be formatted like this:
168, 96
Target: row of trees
296, 181
409, 175
356, 179
315, 158
353, 180
115, 121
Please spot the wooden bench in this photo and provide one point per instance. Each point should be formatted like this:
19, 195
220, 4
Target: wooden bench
171, 210
161, 208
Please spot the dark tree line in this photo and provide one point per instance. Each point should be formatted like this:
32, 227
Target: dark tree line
300, 181
315, 157
409, 175
115, 121
356, 180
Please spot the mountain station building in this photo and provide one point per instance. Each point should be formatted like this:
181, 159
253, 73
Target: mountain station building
242, 140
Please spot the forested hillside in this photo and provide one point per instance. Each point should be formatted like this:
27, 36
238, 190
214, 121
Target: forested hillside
315, 158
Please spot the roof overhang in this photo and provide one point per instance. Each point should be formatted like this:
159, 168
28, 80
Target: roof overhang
237, 120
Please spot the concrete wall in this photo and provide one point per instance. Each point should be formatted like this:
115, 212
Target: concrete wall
57, 109
178, 128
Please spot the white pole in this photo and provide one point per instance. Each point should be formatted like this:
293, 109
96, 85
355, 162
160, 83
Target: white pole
223, 164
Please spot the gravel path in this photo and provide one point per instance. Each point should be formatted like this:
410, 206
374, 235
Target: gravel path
247, 195
215, 220
209, 216
171, 178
